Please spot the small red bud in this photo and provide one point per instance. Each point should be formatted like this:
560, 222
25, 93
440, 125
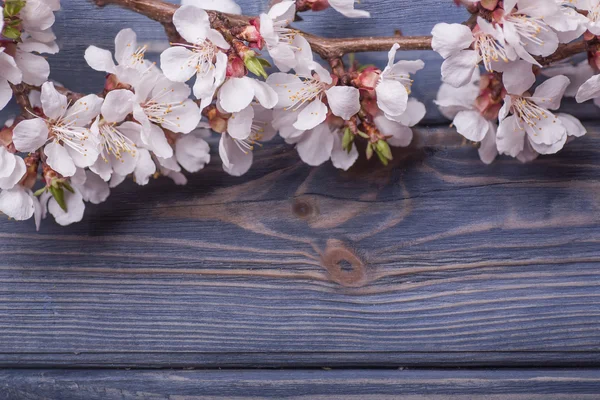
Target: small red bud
368, 78
235, 67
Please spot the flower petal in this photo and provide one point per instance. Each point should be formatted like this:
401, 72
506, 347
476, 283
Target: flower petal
144, 168
316, 145
75, 209
16, 175
311, 115
510, 137
117, 105
125, 46
518, 77
235, 161
401, 135
30, 135
457, 70
192, 23
550, 93
266, 96
340, 158
17, 203
392, 97
573, 125
59, 159
344, 101
488, 150
192, 152
236, 94
471, 125
449, 39
157, 142
239, 126
54, 104
178, 63
100, 59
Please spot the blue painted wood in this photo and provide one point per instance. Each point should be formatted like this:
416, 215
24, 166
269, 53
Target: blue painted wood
299, 384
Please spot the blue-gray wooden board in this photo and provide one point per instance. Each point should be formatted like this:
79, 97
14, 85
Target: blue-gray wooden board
436, 260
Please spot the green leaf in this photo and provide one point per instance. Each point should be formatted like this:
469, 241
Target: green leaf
347, 140
384, 148
383, 160
363, 135
255, 66
13, 7
265, 63
39, 192
11, 32
68, 186
59, 195
369, 151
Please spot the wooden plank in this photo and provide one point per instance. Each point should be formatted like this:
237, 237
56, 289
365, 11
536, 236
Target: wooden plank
299, 384
435, 260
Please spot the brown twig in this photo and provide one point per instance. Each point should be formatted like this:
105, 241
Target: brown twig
327, 48
162, 12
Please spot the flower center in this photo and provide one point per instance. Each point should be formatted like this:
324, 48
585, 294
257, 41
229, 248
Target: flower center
310, 89
404, 79
285, 35
528, 28
489, 50
594, 13
66, 131
202, 56
529, 112
138, 56
114, 142
157, 109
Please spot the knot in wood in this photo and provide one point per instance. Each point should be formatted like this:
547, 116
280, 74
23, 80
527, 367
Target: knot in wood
304, 208
343, 265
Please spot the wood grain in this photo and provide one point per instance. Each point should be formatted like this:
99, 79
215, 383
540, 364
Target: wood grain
313, 385
436, 260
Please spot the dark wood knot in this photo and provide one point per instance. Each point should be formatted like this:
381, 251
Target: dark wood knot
343, 265
304, 208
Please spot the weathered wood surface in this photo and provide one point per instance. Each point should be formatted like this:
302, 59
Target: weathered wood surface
313, 385
435, 260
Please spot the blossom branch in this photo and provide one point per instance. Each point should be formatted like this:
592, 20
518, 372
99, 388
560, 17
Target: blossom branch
162, 12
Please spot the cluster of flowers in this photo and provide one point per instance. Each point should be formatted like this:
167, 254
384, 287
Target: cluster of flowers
499, 108
146, 123
149, 122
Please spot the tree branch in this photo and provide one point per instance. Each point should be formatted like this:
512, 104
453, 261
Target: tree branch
162, 12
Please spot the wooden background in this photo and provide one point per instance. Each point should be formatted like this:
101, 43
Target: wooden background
433, 263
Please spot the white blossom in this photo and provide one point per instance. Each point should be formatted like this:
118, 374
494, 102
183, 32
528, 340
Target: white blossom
202, 56
394, 84
64, 132
531, 119
129, 56
245, 130
284, 44
305, 93
323, 143
458, 104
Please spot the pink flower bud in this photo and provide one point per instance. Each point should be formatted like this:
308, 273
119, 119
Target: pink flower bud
368, 78
235, 67
250, 33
